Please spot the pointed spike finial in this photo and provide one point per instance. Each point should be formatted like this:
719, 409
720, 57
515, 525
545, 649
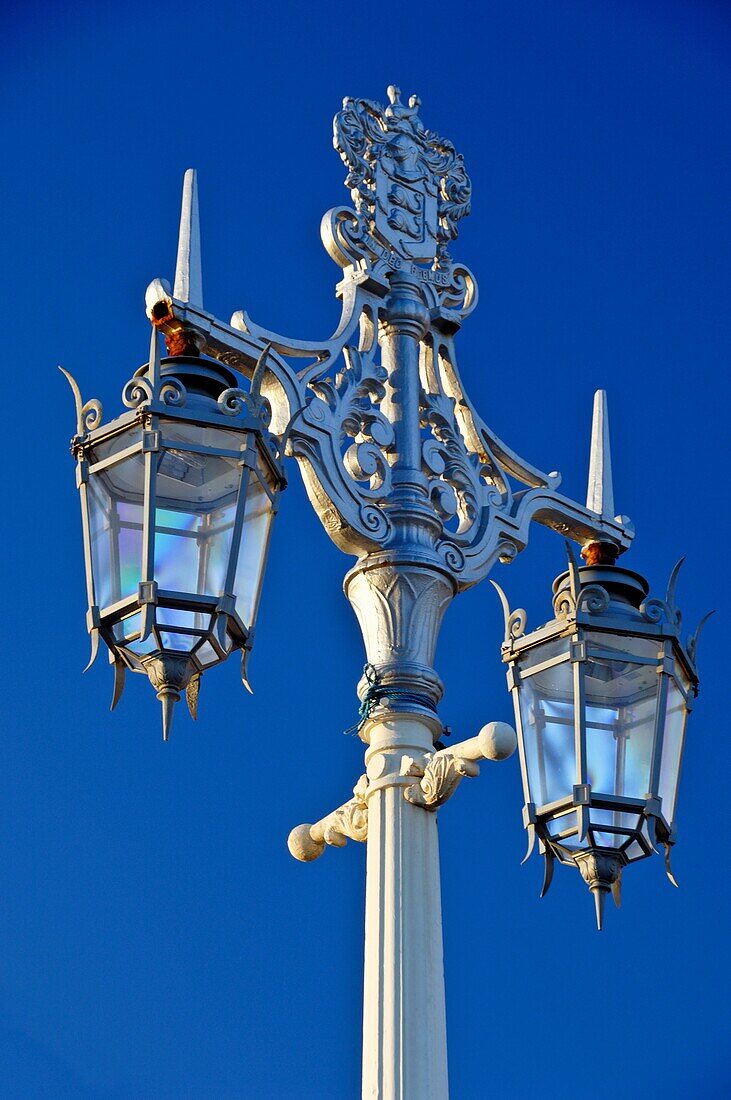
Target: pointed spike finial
600, 896
600, 492
188, 274
601, 870
168, 699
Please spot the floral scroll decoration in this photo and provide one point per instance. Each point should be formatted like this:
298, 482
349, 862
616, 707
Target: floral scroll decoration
439, 779
408, 184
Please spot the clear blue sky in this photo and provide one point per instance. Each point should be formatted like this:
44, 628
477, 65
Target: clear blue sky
156, 939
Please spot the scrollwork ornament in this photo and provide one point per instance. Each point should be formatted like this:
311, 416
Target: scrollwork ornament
564, 604
456, 485
366, 462
452, 556
88, 413
342, 440
233, 401
375, 522
656, 611
350, 820
515, 627
91, 414
515, 621
173, 392
461, 294
441, 778
506, 551
136, 392
594, 599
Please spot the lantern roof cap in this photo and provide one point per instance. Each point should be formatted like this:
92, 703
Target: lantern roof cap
200, 375
623, 585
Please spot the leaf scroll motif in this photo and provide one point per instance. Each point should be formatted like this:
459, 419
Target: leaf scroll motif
353, 413
456, 484
351, 820
441, 778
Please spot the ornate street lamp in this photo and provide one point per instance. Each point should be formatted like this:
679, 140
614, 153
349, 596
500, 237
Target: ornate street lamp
407, 478
177, 500
601, 695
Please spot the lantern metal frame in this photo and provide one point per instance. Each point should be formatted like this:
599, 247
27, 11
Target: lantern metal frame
585, 606
158, 398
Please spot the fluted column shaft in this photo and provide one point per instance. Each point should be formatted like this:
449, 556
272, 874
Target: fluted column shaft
404, 1024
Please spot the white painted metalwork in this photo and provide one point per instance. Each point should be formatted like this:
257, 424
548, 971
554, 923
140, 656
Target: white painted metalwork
408, 479
188, 286
600, 494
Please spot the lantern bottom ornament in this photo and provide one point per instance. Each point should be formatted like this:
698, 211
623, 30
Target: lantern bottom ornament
601, 694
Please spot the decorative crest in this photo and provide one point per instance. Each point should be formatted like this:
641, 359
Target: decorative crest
409, 185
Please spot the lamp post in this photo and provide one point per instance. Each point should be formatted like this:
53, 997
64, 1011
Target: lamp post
178, 494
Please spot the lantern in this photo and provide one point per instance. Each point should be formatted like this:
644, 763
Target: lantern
177, 499
601, 694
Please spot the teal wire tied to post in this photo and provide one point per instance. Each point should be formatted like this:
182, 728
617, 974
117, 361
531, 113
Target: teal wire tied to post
375, 692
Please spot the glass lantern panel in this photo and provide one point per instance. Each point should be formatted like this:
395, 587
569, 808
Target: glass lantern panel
628, 822
608, 840
194, 517
181, 432
115, 527
547, 719
101, 521
124, 631
177, 550
638, 730
621, 698
203, 481
620, 819
253, 550
181, 643
207, 655
126, 628
625, 647
174, 616
635, 851
562, 824
672, 747
148, 646
115, 444
545, 651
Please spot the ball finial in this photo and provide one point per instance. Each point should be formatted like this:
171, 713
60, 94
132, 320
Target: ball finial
497, 741
303, 846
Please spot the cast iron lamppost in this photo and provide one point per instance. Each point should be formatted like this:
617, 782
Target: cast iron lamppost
178, 496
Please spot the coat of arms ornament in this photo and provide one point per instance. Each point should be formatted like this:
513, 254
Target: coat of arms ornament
409, 185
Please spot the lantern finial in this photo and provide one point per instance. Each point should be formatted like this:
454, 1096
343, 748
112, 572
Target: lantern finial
601, 871
168, 701
170, 674
600, 492
600, 896
188, 273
